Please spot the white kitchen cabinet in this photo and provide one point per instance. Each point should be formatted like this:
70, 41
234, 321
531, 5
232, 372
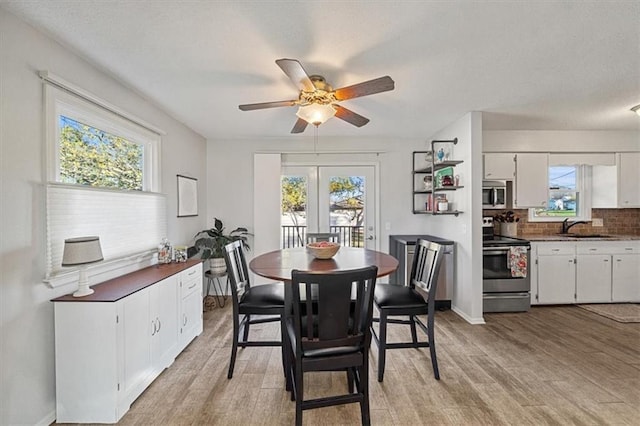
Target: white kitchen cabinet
190, 324
625, 281
556, 273
628, 179
499, 166
593, 278
164, 322
531, 181
112, 344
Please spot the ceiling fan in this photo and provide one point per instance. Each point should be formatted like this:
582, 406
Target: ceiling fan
318, 101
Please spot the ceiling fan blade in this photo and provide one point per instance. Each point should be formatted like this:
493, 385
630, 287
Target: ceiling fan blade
263, 105
370, 87
293, 69
350, 116
299, 126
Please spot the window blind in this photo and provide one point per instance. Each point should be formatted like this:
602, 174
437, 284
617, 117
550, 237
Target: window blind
128, 223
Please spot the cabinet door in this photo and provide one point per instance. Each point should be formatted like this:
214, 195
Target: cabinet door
191, 321
532, 180
499, 166
629, 179
556, 279
137, 343
164, 322
625, 286
593, 278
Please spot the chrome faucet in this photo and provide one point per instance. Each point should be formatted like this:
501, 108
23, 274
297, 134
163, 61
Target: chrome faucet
566, 225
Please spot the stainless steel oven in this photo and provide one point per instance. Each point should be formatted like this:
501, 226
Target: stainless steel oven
506, 287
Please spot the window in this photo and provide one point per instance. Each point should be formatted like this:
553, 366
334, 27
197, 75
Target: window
93, 157
566, 196
103, 179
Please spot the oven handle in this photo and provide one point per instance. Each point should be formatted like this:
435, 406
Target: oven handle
497, 250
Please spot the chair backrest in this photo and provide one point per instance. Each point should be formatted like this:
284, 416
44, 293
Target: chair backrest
338, 320
426, 267
236, 269
315, 237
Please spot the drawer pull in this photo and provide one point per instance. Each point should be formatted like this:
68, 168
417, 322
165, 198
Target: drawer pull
192, 272
194, 284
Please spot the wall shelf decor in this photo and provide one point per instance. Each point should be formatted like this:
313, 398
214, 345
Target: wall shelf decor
433, 176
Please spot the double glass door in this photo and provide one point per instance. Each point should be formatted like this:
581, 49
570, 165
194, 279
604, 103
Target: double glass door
336, 199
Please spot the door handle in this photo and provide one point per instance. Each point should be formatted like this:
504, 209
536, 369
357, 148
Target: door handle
370, 237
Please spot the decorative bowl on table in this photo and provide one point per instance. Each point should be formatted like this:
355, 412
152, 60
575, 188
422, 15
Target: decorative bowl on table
323, 249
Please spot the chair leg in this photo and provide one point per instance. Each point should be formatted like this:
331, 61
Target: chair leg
234, 346
299, 394
351, 379
432, 347
414, 334
382, 344
245, 332
364, 390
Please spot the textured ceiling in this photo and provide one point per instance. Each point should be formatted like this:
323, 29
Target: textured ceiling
528, 65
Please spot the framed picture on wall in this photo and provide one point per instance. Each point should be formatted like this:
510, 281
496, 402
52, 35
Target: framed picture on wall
187, 196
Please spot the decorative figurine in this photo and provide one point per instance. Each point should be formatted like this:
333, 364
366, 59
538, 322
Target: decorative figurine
440, 155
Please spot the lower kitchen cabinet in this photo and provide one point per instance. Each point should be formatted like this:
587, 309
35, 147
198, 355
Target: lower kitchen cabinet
593, 278
556, 279
585, 272
625, 283
112, 344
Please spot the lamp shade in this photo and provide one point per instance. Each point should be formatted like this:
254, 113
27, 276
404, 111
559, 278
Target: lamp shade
316, 113
81, 250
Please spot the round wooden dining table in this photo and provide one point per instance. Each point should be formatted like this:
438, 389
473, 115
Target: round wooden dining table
277, 265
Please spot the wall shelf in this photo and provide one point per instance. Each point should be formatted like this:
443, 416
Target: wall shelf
427, 182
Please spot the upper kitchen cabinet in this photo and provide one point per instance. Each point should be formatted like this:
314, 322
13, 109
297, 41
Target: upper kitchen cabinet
499, 166
628, 179
532, 180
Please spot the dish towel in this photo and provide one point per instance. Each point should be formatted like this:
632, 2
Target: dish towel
518, 261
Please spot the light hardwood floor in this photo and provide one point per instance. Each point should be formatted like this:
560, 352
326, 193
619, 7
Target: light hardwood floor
552, 365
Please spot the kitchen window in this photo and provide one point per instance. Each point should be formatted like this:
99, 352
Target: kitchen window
567, 196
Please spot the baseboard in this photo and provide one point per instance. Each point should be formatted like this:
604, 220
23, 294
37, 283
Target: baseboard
48, 419
473, 321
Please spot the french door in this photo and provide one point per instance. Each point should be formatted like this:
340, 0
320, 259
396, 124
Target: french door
337, 199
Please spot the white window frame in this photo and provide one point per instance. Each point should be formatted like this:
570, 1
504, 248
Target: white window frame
60, 102
115, 214
583, 188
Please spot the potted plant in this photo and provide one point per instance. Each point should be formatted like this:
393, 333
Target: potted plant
508, 223
211, 242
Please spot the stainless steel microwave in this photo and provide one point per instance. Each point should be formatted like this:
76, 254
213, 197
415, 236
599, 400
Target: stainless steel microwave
494, 194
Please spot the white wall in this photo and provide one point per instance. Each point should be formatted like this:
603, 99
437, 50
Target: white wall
27, 340
465, 229
560, 141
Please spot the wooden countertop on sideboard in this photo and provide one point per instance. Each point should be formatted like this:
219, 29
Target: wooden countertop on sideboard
124, 285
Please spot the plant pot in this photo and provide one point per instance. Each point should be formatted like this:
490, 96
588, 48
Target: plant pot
509, 229
217, 265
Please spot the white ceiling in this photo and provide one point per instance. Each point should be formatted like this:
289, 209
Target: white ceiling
566, 65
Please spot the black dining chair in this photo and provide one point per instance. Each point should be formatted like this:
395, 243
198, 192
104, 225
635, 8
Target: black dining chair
265, 301
330, 332
406, 301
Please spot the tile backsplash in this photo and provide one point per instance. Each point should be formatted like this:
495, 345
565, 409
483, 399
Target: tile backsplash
615, 221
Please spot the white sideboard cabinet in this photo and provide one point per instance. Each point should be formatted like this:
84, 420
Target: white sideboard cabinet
112, 344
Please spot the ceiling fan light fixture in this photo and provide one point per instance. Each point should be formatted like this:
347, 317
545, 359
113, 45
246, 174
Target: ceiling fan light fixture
636, 109
316, 114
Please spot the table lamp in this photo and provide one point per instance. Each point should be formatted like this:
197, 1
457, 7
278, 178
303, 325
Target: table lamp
80, 252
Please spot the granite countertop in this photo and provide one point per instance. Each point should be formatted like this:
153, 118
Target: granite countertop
572, 237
